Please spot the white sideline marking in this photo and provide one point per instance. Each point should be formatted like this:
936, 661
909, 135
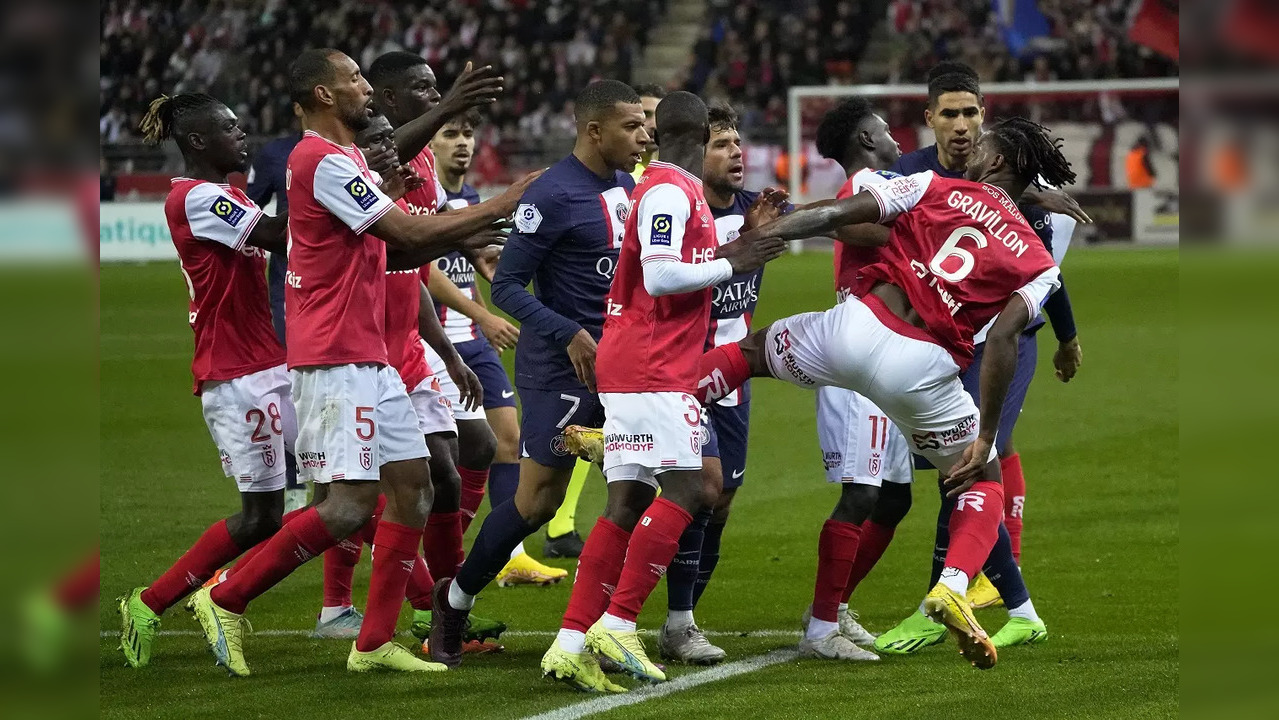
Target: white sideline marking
679, 684
508, 633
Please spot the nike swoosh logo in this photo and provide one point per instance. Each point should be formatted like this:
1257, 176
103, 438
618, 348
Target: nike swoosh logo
508, 394
739, 473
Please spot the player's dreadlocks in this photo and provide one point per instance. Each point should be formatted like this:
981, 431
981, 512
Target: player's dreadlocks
166, 113
1032, 152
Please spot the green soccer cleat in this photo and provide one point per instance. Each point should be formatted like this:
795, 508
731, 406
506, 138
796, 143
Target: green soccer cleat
626, 649
478, 629
580, 671
138, 626
1020, 631
223, 631
911, 635
390, 657
47, 632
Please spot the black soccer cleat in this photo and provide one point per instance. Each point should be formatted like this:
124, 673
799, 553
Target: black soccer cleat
563, 546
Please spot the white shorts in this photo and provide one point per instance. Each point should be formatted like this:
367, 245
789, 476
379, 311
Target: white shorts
647, 434
859, 443
352, 419
449, 388
433, 409
251, 420
915, 382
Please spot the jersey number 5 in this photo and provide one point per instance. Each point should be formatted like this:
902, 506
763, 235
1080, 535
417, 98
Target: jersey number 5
950, 249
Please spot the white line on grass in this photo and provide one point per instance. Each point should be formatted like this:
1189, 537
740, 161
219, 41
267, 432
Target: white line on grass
508, 633
679, 684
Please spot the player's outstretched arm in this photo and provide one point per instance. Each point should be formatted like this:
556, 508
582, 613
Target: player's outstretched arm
470, 393
475, 87
1056, 201
822, 219
423, 238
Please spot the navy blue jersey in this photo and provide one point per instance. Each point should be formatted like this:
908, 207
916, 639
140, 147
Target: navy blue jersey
266, 176
925, 158
733, 302
458, 327
568, 230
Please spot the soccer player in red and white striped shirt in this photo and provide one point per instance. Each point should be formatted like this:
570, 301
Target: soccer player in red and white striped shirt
222, 238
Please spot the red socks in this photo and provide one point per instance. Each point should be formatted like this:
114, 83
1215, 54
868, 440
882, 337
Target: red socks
253, 551
1014, 499
419, 587
301, 539
875, 540
723, 370
598, 570
974, 526
442, 543
473, 484
339, 568
394, 553
80, 589
836, 552
652, 548
198, 564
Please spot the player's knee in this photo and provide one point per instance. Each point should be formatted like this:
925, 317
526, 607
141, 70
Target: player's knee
855, 503
893, 504
712, 489
476, 444
258, 525
538, 503
722, 506
627, 501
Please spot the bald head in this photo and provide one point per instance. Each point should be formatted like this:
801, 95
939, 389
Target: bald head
682, 117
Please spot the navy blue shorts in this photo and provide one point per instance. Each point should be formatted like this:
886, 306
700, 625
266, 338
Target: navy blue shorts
1027, 358
545, 414
484, 361
727, 431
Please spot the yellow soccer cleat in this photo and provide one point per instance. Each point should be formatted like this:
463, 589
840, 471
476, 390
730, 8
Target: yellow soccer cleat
626, 649
950, 608
982, 593
586, 443
223, 631
524, 570
390, 657
580, 671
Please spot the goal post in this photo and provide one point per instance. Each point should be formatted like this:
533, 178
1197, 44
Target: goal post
1100, 121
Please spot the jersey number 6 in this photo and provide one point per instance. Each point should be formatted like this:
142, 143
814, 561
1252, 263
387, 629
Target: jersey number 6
951, 249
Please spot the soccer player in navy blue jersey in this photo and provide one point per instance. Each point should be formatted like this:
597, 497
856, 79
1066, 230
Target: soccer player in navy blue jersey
479, 335
568, 230
955, 112
727, 421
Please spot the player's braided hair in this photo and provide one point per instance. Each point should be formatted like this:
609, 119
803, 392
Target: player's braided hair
166, 112
1032, 152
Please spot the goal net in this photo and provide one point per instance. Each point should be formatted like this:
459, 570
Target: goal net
1101, 122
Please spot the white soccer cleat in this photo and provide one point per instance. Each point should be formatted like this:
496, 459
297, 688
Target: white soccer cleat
848, 626
689, 646
834, 647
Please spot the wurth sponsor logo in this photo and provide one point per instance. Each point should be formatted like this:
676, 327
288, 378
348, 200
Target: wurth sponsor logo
832, 460
628, 442
311, 460
959, 434
973, 499
792, 367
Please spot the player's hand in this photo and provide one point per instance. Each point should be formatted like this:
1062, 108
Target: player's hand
581, 351
767, 207
972, 463
510, 198
475, 87
1067, 359
412, 181
494, 235
1057, 201
470, 393
383, 160
500, 333
395, 182
484, 260
750, 251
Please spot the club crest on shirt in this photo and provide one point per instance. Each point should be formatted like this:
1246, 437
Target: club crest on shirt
360, 192
227, 211
527, 218
621, 210
661, 230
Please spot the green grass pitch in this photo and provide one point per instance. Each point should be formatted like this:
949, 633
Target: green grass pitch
1100, 550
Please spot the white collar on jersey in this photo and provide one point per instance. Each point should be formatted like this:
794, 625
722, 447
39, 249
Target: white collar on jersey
682, 171
176, 180
318, 135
